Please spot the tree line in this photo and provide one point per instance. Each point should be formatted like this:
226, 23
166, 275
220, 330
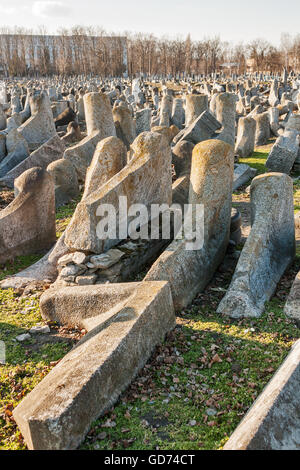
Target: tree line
92, 51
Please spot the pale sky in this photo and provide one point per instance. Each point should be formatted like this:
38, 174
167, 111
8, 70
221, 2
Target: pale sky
232, 20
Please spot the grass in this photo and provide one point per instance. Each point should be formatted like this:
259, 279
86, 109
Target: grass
64, 215
194, 390
200, 383
26, 363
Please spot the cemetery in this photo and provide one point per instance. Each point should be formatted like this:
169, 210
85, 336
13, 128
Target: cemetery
122, 329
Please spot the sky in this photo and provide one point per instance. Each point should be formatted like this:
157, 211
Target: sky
232, 20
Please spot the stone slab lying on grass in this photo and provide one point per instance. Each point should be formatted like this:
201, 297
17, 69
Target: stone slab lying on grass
58, 413
269, 249
272, 423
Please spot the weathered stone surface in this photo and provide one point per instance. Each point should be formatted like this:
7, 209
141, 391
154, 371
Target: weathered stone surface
81, 154
165, 110
272, 423
245, 137
50, 151
40, 126
194, 107
106, 260
203, 128
274, 121
122, 116
178, 114
182, 157
65, 181
73, 306
262, 133
269, 249
138, 181
109, 158
225, 114
73, 133
57, 414
284, 152
273, 97
2, 145
58, 107
292, 306
43, 270
17, 151
294, 122
65, 117
2, 119
86, 279
27, 225
143, 121
189, 271
98, 114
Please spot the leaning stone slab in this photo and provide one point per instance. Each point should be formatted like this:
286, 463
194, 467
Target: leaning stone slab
284, 152
65, 180
292, 306
269, 249
50, 151
27, 224
272, 423
143, 121
43, 270
146, 179
81, 154
242, 174
58, 413
123, 120
17, 152
189, 270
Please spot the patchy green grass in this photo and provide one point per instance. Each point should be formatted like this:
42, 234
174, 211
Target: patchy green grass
18, 264
26, 363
